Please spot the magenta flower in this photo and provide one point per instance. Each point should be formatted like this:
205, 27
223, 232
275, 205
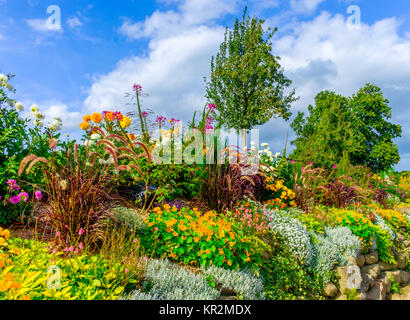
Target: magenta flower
211, 107
161, 120
137, 88
292, 161
13, 186
334, 166
144, 114
15, 199
24, 196
311, 163
81, 232
38, 195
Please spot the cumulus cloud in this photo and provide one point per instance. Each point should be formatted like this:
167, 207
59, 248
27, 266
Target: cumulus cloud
320, 54
40, 25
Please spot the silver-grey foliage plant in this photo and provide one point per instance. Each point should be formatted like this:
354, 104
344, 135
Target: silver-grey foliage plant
242, 283
167, 281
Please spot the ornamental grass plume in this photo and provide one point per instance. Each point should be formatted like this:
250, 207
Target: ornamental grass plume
80, 189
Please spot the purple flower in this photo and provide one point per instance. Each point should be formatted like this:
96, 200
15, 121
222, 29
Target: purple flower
38, 195
15, 199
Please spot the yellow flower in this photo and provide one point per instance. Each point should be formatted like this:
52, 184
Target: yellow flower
125, 122
87, 118
85, 126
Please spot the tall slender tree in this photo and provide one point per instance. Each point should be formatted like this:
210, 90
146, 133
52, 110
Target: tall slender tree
247, 83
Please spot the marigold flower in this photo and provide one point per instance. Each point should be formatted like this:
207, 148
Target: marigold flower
87, 118
85, 126
125, 122
96, 117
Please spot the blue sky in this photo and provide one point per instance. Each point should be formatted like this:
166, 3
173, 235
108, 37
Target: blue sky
103, 47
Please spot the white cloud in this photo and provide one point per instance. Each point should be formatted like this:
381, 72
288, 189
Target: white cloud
305, 6
321, 54
189, 14
74, 22
40, 25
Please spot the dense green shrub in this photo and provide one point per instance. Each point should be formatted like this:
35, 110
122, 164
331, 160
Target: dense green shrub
286, 279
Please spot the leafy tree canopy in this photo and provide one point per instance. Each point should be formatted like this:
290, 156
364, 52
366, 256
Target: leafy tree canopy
354, 129
247, 83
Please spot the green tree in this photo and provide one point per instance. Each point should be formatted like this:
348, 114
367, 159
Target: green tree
348, 130
247, 82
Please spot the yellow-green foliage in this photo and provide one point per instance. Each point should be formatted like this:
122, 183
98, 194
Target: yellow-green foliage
25, 273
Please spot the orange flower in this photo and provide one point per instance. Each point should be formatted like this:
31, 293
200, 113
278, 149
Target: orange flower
131, 137
85, 126
87, 118
96, 117
196, 239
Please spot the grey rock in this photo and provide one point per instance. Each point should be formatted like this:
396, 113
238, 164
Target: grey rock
350, 277
360, 260
330, 290
372, 257
373, 270
352, 261
401, 259
384, 266
404, 277
380, 289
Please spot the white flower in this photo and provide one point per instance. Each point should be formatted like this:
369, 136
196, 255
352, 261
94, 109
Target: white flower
277, 155
56, 124
269, 154
271, 158
265, 150
252, 143
3, 77
95, 136
19, 107
88, 143
264, 144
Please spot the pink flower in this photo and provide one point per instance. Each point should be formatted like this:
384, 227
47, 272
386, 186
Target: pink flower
58, 234
81, 232
334, 166
13, 186
80, 246
211, 107
161, 120
76, 251
135, 240
137, 88
126, 270
144, 114
292, 161
38, 195
15, 199
311, 163
156, 229
24, 196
